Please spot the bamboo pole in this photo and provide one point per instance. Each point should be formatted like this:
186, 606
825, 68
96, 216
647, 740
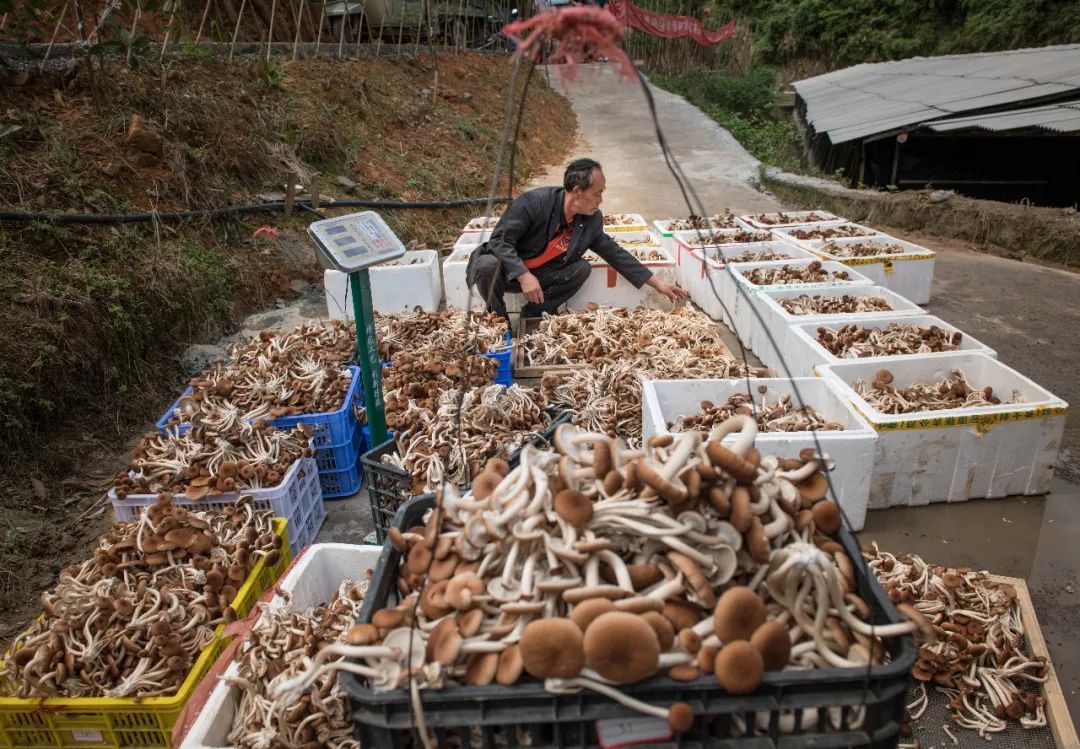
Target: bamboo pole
270, 32
382, 28
299, 23
341, 31
401, 30
168, 31
360, 29
322, 17
419, 28
202, 23
52, 40
134, 25
236, 29
81, 26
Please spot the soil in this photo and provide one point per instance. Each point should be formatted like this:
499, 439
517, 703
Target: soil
93, 319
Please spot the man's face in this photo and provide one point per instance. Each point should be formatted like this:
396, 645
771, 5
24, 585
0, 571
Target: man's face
587, 201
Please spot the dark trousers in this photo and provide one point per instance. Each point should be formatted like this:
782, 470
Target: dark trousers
559, 283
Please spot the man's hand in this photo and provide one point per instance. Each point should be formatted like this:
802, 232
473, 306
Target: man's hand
672, 291
530, 287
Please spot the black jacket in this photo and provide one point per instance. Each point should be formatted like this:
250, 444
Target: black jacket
527, 226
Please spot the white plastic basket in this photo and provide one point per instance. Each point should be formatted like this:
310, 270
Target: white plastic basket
394, 288
701, 263
294, 499
749, 329
958, 454
456, 290
852, 448
805, 353
312, 579
779, 321
787, 232
606, 287
791, 218
910, 274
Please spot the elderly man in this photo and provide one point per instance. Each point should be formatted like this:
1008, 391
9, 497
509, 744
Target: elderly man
538, 246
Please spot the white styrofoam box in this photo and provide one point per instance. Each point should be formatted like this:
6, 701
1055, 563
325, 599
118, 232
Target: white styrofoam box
313, 579
457, 290
480, 224
805, 353
958, 454
625, 222
852, 448
789, 218
469, 241
394, 288
701, 263
606, 287
909, 274
786, 232
685, 243
751, 330
779, 321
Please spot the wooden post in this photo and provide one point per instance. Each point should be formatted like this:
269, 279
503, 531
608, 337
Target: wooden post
318, 36
270, 32
341, 31
360, 29
168, 32
236, 30
134, 25
290, 193
382, 28
202, 23
299, 22
401, 30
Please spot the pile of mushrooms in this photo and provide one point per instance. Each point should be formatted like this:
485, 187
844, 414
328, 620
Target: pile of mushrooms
862, 249
752, 256
804, 304
201, 462
951, 392
830, 232
855, 342
483, 222
775, 219
619, 219
393, 263
742, 236
593, 567
778, 416
415, 381
978, 660
788, 274
725, 220
448, 331
130, 621
279, 646
495, 421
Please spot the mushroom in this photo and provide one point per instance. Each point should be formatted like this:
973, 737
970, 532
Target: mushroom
621, 647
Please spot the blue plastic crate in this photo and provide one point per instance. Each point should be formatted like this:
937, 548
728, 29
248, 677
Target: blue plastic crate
342, 483
335, 457
162, 423
334, 427
503, 374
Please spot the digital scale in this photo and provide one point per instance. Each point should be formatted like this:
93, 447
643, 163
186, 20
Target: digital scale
352, 244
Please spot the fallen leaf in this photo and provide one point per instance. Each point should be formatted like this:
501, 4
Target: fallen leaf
39, 488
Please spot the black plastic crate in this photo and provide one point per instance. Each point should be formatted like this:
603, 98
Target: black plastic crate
527, 715
389, 487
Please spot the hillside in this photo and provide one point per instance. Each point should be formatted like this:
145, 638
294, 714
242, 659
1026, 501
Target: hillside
93, 317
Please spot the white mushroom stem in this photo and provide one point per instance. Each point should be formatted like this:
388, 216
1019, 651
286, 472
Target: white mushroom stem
747, 432
570, 686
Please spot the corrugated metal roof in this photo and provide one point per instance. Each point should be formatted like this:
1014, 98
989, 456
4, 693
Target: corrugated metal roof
873, 98
1063, 117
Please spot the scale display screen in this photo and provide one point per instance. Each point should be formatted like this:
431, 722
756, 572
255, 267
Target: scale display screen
356, 241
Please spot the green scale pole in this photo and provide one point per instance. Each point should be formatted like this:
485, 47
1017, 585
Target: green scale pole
368, 349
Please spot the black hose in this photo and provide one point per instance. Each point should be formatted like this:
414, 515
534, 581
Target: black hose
134, 218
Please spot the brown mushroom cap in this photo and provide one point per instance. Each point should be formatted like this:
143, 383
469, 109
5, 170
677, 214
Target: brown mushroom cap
552, 648
827, 517
680, 717
497, 466
362, 634
602, 458
484, 484
774, 643
757, 542
698, 583
738, 613
741, 514
481, 669
573, 507
681, 614
665, 633
510, 666
621, 647
815, 487
584, 612
739, 667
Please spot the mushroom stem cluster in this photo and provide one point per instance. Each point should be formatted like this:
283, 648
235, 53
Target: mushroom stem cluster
751, 256
862, 249
855, 342
724, 220
619, 219
977, 660
455, 334
805, 304
830, 232
595, 566
415, 382
130, 621
200, 463
727, 236
778, 415
281, 644
778, 218
789, 274
951, 392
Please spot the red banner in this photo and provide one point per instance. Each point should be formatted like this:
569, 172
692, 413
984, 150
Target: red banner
669, 27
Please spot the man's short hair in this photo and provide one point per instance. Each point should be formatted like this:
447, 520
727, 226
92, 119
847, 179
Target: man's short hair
579, 174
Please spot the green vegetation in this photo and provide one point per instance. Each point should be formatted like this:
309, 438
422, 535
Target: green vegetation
745, 105
847, 32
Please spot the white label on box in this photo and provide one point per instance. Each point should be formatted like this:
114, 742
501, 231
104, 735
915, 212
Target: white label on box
618, 732
88, 736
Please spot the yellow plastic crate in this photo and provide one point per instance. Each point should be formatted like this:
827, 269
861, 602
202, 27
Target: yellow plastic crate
64, 722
